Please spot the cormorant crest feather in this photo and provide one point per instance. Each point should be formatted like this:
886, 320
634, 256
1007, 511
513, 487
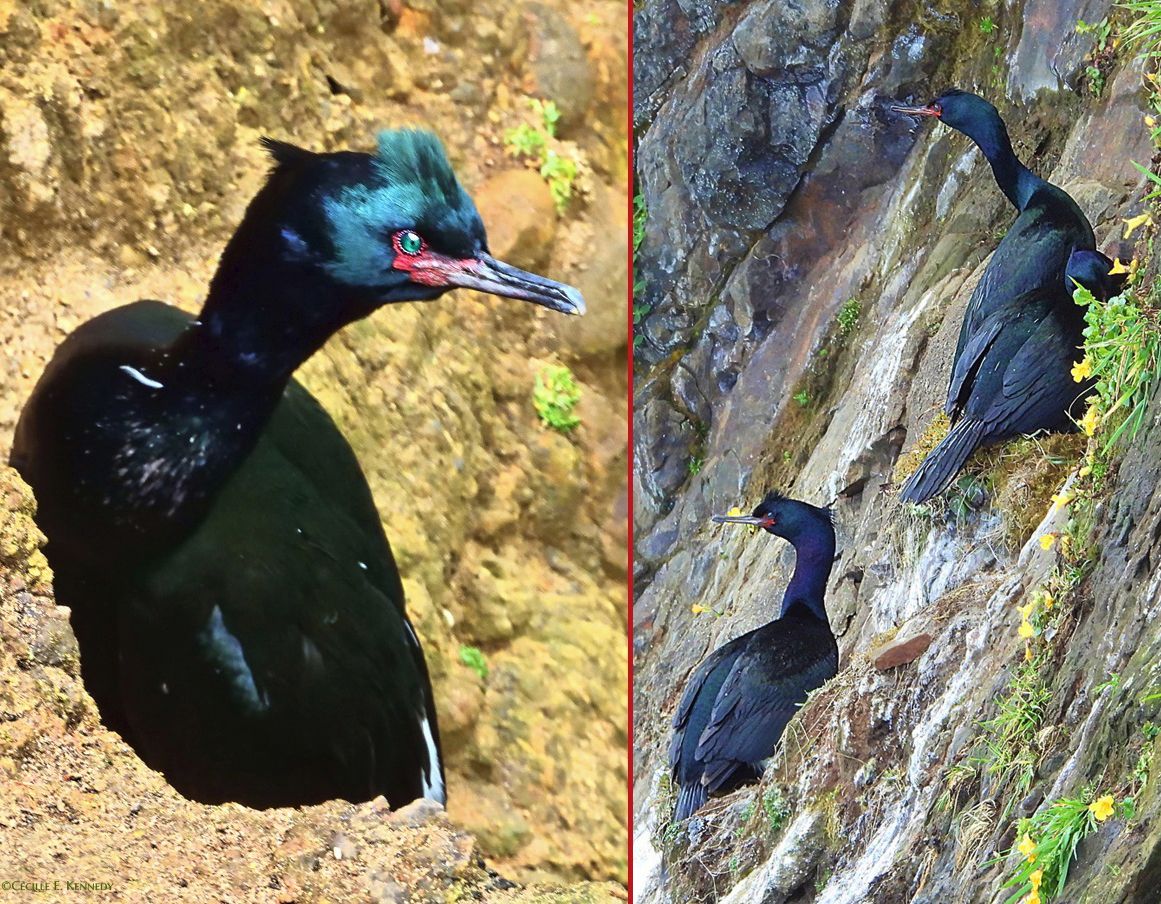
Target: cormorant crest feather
283, 153
416, 156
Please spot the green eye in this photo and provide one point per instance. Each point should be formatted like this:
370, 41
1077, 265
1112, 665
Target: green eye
408, 242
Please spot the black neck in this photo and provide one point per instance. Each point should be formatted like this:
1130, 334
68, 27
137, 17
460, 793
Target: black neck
814, 557
1015, 180
266, 314
191, 412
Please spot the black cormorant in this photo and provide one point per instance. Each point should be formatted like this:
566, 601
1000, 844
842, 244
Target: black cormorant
240, 615
737, 703
1021, 332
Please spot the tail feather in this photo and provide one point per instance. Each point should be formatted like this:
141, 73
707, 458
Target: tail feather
943, 462
690, 800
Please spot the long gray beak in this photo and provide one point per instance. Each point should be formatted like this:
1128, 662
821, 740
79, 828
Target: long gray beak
915, 111
486, 274
738, 519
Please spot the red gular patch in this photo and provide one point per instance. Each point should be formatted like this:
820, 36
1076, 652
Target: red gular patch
425, 266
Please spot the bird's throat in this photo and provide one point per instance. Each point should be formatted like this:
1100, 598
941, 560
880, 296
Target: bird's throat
814, 558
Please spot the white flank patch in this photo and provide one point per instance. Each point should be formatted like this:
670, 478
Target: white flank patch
433, 778
230, 658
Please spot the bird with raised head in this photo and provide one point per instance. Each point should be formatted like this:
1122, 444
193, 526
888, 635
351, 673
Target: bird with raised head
1021, 333
240, 615
737, 703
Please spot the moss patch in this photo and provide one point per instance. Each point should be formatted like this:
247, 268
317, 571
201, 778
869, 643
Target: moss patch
1025, 474
909, 462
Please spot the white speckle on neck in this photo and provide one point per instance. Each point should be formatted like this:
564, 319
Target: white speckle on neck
141, 378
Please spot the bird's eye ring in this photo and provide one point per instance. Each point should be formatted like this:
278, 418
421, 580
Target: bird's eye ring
407, 242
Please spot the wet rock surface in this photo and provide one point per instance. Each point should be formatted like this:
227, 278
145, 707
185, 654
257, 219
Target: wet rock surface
128, 150
745, 365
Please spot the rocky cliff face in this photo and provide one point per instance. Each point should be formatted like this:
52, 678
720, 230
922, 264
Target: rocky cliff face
128, 150
805, 264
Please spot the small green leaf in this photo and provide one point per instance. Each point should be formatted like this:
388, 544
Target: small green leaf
473, 658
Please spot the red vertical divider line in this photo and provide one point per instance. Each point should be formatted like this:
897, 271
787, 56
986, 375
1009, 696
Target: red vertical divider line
629, 451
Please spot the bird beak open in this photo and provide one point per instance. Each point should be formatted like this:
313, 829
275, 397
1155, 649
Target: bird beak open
486, 274
929, 110
743, 519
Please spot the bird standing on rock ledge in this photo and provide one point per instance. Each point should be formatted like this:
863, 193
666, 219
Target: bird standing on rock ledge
1021, 332
239, 612
738, 702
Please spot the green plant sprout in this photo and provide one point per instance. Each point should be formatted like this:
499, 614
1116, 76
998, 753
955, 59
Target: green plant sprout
555, 395
987, 25
1101, 29
526, 141
802, 397
639, 215
1096, 80
848, 316
560, 173
694, 466
532, 141
776, 808
474, 660
548, 113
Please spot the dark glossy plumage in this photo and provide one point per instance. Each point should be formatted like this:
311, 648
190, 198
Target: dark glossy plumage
737, 703
1021, 332
240, 615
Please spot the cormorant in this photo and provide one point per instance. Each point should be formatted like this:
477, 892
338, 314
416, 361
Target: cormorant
240, 615
737, 703
1021, 332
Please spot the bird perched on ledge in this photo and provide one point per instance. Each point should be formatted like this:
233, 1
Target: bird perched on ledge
737, 703
240, 616
1021, 332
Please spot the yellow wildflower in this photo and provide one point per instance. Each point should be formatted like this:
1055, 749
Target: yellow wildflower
1150, 122
1119, 268
1036, 878
1085, 471
1026, 609
1081, 369
698, 609
1027, 847
1047, 541
1089, 422
1026, 630
1033, 897
1102, 808
1059, 500
1048, 601
1134, 223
